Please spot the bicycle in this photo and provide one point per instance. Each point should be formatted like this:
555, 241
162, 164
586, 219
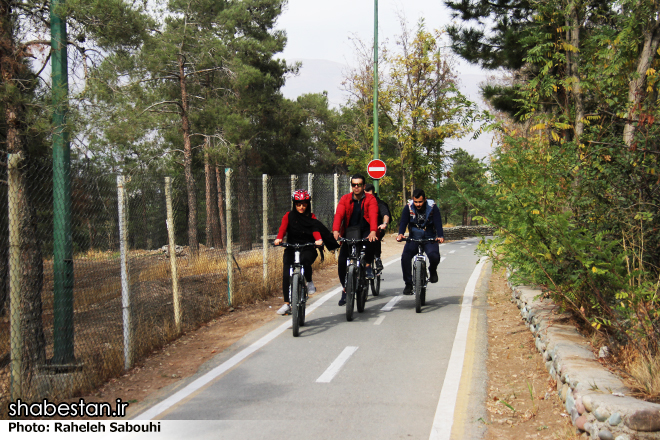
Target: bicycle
419, 272
356, 282
297, 287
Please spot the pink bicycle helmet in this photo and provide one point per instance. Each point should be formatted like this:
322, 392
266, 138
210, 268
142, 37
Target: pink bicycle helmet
301, 195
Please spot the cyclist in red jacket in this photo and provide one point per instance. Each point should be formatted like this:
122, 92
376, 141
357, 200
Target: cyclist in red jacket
356, 217
300, 227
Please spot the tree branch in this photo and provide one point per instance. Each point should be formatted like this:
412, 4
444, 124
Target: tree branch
161, 103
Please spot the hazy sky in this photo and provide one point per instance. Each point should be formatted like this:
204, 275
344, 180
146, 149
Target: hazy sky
321, 29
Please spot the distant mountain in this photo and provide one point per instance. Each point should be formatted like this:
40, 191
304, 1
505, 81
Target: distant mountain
317, 76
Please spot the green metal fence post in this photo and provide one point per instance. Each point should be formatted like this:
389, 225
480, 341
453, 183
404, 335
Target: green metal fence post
376, 88
63, 352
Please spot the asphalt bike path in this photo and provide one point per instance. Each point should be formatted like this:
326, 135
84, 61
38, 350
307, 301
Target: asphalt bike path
379, 376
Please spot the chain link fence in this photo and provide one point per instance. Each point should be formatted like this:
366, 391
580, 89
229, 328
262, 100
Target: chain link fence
78, 309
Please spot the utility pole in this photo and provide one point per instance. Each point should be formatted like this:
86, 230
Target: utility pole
62, 243
376, 87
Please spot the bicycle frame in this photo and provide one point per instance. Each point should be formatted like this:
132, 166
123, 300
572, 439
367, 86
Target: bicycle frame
297, 264
420, 290
359, 285
354, 255
297, 275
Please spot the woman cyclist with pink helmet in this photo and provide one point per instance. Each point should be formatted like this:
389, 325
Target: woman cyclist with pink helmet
300, 226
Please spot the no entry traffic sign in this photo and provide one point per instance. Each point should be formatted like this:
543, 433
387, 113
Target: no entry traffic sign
376, 169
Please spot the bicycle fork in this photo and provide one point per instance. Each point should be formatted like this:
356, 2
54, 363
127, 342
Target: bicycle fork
297, 264
421, 258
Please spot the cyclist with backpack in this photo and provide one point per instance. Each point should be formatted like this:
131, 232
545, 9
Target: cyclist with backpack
300, 226
356, 217
422, 217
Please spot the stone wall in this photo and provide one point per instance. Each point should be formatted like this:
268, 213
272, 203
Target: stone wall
600, 405
461, 232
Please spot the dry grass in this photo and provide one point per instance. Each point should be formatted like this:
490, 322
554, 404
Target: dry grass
644, 371
639, 368
98, 312
567, 433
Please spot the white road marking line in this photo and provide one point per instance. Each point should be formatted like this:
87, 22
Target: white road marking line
380, 320
334, 367
462, 247
391, 262
444, 413
388, 307
451, 252
443, 259
201, 381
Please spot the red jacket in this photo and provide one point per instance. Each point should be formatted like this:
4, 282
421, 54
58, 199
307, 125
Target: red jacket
345, 209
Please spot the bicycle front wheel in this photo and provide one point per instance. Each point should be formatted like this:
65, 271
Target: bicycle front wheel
418, 285
295, 300
301, 307
362, 292
351, 286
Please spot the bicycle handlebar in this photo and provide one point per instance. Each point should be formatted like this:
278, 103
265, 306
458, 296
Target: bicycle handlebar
294, 245
419, 240
352, 240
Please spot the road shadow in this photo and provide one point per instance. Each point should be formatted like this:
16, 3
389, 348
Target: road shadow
431, 304
315, 326
372, 309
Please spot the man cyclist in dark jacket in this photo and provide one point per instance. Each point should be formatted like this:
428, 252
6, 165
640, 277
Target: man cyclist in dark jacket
384, 217
423, 219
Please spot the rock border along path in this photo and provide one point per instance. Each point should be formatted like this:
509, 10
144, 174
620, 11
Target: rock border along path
462, 232
598, 401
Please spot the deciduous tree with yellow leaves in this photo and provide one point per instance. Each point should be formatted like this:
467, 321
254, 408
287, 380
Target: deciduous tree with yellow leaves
419, 105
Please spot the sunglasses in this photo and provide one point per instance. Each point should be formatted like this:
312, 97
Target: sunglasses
301, 203
356, 184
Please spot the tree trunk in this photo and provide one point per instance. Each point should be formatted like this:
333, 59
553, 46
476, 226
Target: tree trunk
244, 209
412, 183
90, 232
209, 199
575, 73
31, 260
193, 243
403, 186
146, 238
212, 224
635, 87
4, 247
221, 207
565, 94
